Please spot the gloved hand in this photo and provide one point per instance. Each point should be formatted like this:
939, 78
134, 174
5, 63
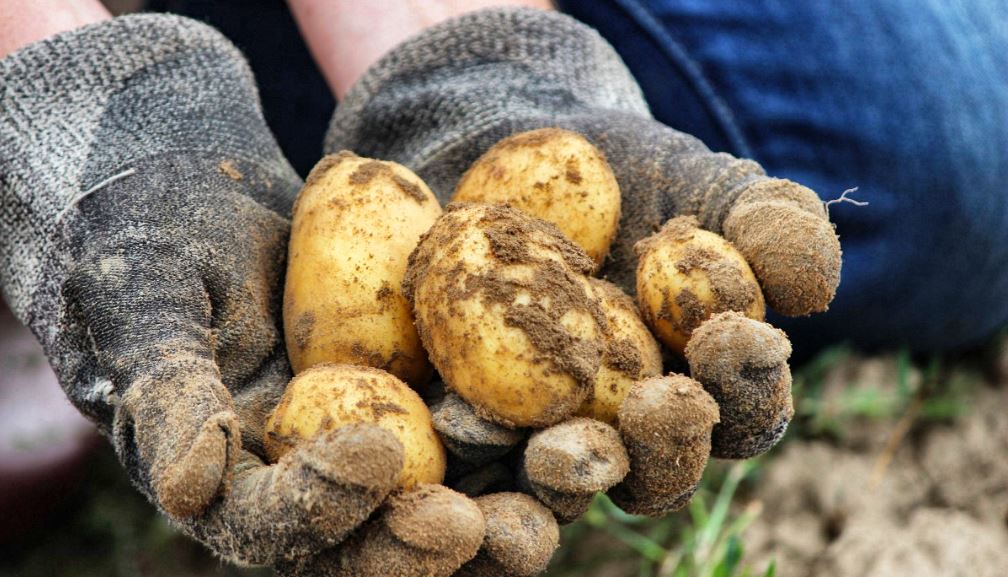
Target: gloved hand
144, 226
438, 101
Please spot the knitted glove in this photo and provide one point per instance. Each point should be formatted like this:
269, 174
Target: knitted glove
438, 101
143, 230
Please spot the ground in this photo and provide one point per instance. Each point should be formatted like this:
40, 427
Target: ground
893, 466
939, 508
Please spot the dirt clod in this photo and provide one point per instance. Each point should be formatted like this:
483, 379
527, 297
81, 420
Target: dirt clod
935, 512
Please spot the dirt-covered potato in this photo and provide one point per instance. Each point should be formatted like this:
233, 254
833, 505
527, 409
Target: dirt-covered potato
555, 175
686, 274
355, 222
502, 309
631, 354
327, 397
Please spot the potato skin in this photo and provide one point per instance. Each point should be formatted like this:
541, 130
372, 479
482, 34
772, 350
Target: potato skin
355, 222
555, 175
502, 308
327, 397
631, 354
686, 274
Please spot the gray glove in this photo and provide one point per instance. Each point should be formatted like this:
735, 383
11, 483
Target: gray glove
143, 230
437, 102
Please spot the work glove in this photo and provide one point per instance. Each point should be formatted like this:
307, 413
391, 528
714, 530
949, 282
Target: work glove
145, 212
440, 100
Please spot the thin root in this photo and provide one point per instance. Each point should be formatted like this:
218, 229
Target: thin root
844, 198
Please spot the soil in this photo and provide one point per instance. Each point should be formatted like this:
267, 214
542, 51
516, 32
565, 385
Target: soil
939, 509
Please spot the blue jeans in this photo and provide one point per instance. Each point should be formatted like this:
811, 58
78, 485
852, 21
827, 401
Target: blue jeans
905, 99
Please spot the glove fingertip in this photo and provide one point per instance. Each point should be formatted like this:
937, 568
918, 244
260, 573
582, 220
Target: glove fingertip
188, 486
784, 233
520, 539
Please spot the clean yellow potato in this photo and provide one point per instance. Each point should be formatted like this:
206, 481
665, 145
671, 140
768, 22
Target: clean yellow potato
327, 397
686, 274
555, 175
502, 308
355, 222
631, 354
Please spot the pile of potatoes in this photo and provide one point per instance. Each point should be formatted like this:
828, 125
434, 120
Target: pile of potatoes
496, 294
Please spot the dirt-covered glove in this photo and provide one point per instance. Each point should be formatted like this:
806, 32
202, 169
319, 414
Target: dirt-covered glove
440, 100
143, 239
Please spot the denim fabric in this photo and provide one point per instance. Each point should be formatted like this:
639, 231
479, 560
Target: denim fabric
905, 99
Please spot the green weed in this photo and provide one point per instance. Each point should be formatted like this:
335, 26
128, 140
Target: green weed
704, 540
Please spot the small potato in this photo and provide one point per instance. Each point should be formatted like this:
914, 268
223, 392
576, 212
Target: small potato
355, 223
502, 308
555, 175
327, 397
631, 354
686, 274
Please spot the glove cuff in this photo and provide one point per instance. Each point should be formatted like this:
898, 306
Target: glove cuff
80, 108
467, 82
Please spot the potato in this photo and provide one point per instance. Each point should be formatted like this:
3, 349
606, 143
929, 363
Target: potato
327, 397
355, 223
502, 308
686, 274
631, 354
555, 175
